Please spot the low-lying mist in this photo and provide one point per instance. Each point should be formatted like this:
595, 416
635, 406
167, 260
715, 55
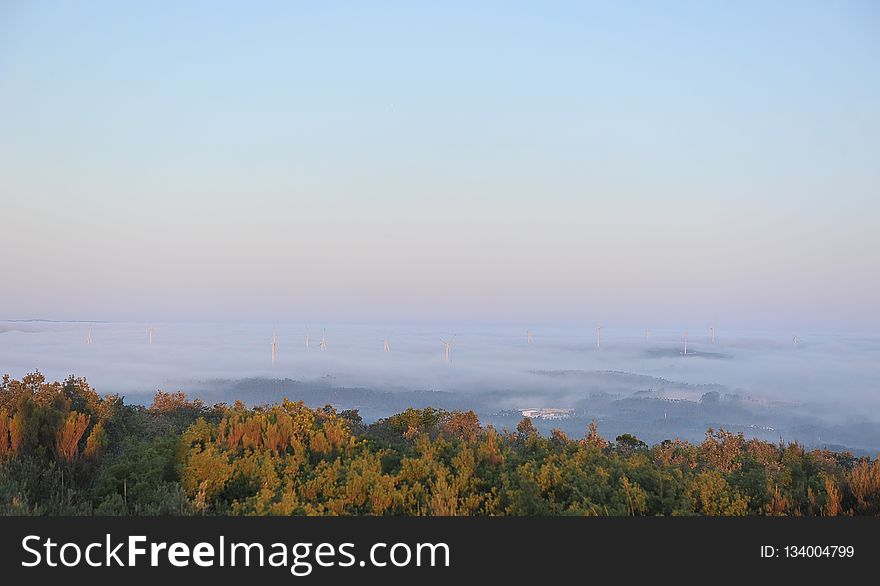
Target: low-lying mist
830, 378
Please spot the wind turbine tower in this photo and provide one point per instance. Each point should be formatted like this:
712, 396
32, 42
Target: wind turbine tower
685, 343
323, 343
307, 339
274, 347
387, 345
150, 331
89, 337
713, 333
447, 346
598, 337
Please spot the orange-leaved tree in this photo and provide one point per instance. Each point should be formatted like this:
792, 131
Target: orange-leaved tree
68, 435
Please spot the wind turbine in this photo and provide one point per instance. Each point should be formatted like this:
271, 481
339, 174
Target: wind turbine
529, 337
685, 343
447, 346
307, 338
274, 347
795, 341
150, 330
713, 333
323, 343
386, 345
89, 336
598, 336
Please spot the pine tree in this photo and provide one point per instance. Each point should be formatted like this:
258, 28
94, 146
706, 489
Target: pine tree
4, 434
68, 435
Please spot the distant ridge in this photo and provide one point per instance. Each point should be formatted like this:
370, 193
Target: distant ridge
57, 321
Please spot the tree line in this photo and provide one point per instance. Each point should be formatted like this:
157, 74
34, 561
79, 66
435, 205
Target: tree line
65, 450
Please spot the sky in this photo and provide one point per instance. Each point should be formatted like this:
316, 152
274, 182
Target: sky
510, 162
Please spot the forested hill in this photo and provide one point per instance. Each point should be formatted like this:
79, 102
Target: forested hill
66, 450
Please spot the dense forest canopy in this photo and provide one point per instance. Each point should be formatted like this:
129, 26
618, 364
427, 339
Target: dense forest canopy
66, 450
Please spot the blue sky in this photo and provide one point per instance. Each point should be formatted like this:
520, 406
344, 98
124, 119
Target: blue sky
491, 161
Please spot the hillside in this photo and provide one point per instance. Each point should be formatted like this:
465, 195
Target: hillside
66, 450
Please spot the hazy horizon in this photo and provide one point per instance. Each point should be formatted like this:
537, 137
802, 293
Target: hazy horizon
628, 327
835, 370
